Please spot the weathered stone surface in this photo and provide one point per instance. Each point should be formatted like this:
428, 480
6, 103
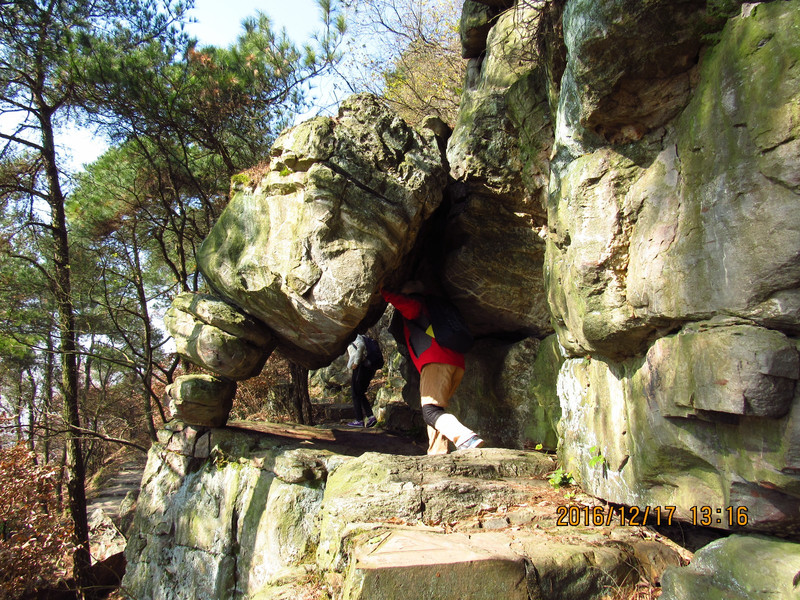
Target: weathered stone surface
304, 246
722, 229
722, 571
417, 563
106, 539
630, 66
587, 254
214, 335
213, 311
493, 269
739, 370
423, 564
674, 228
431, 489
483, 146
649, 458
201, 400
334, 378
494, 250
476, 21
222, 527
680, 229
243, 520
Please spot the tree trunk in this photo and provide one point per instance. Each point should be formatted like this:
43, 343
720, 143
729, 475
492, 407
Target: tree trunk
74, 467
147, 376
48, 396
32, 412
301, 402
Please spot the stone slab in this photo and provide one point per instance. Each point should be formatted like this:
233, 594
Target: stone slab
428, 565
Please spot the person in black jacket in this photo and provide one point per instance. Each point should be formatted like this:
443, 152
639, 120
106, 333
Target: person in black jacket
364, 360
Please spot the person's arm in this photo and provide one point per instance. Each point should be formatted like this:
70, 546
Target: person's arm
408, 307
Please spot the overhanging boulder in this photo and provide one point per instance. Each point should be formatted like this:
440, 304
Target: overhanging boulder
305, 244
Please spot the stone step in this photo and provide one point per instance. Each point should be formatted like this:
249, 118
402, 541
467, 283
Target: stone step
423, 564
515, 564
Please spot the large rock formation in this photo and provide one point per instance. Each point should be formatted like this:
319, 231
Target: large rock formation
232, 514
672, 258
620, 230
304, 244
692, 217
494, 255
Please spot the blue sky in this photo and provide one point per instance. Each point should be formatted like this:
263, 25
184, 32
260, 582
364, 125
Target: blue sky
219, 21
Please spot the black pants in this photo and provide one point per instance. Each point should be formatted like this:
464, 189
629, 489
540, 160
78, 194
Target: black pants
362, 376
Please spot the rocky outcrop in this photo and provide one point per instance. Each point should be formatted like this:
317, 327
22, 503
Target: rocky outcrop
493, 236
665, 221
305, 243
671, 228
217, 337
719, 571
231, 514
620, 230
200, 399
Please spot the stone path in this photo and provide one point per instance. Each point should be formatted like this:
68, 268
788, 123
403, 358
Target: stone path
111, 494
347, 440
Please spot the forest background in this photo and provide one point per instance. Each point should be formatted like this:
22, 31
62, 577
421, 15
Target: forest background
91, 257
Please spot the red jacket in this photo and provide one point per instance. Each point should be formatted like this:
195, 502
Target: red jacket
412, 308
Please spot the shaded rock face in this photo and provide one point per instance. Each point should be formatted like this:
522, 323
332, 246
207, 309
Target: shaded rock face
494, 255
304, 246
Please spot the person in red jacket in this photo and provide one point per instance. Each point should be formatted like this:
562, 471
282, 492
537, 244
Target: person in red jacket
440, 372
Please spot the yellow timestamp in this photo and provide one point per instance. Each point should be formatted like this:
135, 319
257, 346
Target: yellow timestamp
728, 516
599, 516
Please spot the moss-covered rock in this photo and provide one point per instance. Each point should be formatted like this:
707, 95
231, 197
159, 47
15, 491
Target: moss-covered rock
739, 567
306, 246
621, 434
493, 248
725, 239
201, 400
215, 336
430, 489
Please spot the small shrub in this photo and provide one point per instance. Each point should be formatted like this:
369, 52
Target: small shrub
34, 538
560, 478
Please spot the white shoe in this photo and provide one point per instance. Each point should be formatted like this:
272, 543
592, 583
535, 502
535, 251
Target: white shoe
472, 441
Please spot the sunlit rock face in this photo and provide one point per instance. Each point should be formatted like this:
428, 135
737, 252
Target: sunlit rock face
693, 216
214, 335
619, 227
658, 140
672, 266
201, 400
304, 245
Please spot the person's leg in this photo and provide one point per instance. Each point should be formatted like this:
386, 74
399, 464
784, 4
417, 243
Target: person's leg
359, 386
438, 382
366, 379
356, 393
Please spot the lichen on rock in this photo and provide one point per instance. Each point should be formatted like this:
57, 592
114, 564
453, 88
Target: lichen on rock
305, 248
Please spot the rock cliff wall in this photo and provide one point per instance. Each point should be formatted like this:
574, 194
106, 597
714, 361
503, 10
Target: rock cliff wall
619, 226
